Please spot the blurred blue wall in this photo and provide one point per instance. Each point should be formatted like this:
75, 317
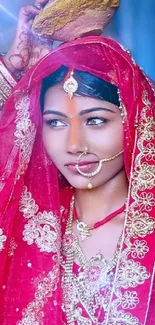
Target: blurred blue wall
134, 27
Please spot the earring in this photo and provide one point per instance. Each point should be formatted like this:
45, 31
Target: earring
122, 107
123, 113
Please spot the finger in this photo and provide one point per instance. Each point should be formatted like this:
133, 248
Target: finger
41, 3
27, 12
29, 23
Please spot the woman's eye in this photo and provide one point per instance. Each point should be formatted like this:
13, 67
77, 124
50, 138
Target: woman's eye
96, 121
55, 123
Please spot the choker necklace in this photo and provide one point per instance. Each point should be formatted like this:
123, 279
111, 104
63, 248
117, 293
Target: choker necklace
85, 230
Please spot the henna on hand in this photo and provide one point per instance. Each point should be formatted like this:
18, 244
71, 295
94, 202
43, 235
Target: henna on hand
18, 55
39, 49
26, 48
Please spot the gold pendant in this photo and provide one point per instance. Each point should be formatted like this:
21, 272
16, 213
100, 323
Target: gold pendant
83, 230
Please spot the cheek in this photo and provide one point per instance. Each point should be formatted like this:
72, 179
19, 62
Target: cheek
108, 141
115, 137
52, 143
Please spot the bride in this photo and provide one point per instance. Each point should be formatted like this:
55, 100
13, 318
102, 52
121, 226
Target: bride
77, 183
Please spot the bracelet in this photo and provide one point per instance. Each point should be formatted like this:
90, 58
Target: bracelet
7, 83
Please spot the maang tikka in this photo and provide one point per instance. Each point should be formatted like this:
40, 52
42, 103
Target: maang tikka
70, 85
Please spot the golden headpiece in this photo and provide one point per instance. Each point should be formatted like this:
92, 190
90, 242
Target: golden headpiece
70, 85
67, 19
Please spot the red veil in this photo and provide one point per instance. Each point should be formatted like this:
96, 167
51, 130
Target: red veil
31, 202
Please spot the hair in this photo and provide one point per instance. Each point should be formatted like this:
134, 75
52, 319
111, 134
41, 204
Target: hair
88, 85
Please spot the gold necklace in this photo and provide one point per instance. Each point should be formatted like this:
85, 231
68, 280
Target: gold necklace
68, 273
70, 247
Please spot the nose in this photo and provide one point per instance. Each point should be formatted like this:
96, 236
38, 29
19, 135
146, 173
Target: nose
75, 138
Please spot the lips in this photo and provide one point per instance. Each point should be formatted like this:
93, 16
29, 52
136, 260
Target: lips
85, 166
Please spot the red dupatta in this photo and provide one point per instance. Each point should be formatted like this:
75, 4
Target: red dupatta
30, 200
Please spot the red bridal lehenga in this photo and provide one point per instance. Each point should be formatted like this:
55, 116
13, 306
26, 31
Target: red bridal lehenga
39, 283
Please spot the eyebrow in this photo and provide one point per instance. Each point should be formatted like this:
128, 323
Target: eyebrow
83, 112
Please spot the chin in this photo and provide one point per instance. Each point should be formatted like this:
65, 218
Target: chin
80, 184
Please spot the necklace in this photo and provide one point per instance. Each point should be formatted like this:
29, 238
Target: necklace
69, 247
85, 230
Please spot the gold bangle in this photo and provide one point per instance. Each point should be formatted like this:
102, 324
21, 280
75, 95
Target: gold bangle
7, 83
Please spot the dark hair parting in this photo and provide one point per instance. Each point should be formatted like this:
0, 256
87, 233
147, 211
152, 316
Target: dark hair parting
88, 85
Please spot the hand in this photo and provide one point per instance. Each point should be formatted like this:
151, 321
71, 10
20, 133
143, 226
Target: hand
22, 55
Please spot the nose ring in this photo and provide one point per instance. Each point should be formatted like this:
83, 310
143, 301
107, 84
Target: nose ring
89, 175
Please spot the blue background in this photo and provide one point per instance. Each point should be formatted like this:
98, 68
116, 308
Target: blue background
133, 26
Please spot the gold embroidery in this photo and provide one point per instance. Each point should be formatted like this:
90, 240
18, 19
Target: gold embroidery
25, 133
144, 177
8, 167
122, 318
132, 273
7, 75
113, 77
3, 239
140, 224
7, 82
12, 247
42, 229
146, 201
139, 248
34, 313
130, 300
5, 90
146, 128
149, 151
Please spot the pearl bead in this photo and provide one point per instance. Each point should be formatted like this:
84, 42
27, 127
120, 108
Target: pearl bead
90, 186
29, 264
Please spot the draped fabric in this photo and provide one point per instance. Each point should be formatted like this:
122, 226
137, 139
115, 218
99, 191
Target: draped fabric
31, 201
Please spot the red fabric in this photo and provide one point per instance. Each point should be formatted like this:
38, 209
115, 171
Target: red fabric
30, 279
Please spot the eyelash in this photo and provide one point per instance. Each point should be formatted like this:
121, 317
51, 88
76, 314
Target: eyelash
104, 120
52, 121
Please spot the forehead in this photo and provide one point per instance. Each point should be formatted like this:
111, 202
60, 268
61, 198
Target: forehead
57, 99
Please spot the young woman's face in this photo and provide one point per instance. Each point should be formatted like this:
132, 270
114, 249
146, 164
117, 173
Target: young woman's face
96, 125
